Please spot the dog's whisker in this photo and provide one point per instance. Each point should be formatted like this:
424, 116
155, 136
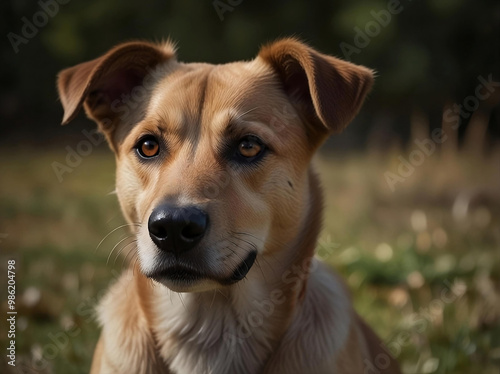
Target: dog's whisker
236, 245
222, 293
272, 241
245, 113
263, 257
239, 257
116, 245
213, 299
233, 252
254, 247
122, 249
260, 268
182, 301
243, 240
151, 283
132, 250
133, 266
114, 230
271, 266
235, 236
137, 262
267, 263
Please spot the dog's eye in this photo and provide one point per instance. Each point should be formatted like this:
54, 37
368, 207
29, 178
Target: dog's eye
250, 147
148, 147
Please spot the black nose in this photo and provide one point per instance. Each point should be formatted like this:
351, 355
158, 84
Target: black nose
177, 229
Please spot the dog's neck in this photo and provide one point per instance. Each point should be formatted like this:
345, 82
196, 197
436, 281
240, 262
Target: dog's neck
245, 322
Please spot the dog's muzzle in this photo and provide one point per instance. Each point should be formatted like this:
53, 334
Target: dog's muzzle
176, 231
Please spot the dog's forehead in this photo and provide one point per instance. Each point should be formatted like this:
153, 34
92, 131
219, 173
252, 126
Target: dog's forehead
212, 95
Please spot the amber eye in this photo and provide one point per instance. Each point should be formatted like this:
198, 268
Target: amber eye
148, 147
250, 146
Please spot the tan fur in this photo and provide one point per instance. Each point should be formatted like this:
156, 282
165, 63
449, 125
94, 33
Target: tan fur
290, 314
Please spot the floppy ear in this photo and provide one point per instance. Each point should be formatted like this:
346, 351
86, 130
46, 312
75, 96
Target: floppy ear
327, 91
103, 86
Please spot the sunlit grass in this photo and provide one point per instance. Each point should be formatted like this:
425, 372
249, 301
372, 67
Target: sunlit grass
400, 252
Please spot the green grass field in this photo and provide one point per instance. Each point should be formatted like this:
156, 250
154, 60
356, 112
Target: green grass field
423, 262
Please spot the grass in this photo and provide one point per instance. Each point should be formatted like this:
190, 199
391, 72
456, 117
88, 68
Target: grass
423, 262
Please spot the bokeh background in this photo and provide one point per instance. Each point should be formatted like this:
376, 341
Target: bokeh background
415, 230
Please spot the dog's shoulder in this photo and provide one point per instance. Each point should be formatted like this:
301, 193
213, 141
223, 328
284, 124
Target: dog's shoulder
127, 342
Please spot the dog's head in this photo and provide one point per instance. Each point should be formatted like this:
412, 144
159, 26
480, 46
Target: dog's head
213, 160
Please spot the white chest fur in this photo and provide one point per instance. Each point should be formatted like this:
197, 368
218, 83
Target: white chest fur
212, 333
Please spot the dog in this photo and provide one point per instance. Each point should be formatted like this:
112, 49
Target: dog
214, 177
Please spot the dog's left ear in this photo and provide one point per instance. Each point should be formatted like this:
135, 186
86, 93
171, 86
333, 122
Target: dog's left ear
327, 91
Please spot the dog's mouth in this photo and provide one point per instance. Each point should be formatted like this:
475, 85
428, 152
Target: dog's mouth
242, 270
178, 274
181, 276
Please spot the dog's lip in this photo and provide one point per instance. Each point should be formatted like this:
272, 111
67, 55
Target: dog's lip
182, 274
178, 274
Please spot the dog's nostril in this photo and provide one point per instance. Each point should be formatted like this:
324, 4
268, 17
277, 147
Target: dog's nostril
159, 231
192, 231
196, 226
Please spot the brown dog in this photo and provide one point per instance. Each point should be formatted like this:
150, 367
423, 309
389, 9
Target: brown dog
214, 177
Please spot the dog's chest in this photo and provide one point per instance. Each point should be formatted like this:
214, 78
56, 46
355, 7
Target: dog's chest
200, 334
203, 333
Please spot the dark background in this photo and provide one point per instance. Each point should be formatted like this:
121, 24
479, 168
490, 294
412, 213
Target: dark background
429, 55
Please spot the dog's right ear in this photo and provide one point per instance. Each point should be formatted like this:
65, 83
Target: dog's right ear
328, 91
103, 85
